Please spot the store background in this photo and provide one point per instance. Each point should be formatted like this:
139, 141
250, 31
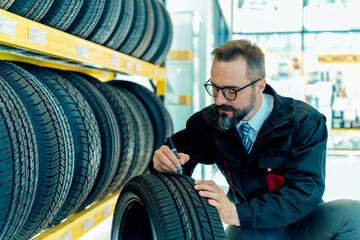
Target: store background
312, 54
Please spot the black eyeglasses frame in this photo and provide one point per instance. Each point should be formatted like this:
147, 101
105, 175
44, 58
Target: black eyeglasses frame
222, 89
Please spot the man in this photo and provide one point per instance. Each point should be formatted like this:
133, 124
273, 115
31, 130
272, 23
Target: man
271, 149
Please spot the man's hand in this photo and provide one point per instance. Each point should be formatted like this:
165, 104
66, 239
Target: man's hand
165, 160
218, 199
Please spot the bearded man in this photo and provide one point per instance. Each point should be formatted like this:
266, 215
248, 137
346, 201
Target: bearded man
270, 148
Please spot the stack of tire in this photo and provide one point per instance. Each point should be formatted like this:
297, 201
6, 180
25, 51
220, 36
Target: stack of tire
140, 28
68, 140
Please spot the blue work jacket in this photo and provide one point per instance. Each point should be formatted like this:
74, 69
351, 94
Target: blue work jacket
282, 179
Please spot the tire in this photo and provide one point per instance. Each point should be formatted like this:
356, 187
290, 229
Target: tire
55, 147
86, 138
145, 136
107, 22
139, 142
6, 4
137, 28
158, 32
160, 55
19, 161
109, 132
31, 9
148, 33
127, 132
62, 13
156, 110
122, 26
88, 17
169, 208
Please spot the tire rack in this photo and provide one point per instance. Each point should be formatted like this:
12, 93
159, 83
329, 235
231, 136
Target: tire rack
24, 40
49, 47
79, 224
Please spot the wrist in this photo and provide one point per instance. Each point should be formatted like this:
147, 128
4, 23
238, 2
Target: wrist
236, 220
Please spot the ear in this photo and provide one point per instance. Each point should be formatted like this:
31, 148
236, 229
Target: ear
261, 85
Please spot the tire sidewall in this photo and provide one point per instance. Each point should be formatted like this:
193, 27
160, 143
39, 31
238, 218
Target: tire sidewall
135, 193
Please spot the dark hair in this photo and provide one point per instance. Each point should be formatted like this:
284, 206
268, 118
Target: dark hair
254, 56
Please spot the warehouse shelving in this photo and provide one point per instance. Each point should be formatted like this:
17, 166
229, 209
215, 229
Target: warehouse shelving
46, 46
28, 41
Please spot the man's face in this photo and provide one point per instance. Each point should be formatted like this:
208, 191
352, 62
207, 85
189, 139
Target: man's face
233, 74
225, 121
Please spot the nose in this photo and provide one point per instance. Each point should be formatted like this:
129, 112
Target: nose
220, 99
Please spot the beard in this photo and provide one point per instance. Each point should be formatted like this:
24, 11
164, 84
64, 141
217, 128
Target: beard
225, 122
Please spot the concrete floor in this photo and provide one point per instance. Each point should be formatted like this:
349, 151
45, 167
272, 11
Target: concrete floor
342, 181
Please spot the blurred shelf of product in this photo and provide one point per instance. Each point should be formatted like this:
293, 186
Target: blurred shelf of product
311, 58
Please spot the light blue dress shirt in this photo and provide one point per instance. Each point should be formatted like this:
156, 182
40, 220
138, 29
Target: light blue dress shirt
259, 118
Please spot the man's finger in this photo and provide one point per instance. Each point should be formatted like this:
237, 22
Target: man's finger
209, 182
216, 204
161, 160
171, 156
211, 195
162, 168
183, 158
168, 165
207, 186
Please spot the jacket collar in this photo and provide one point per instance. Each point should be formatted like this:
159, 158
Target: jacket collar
283, 110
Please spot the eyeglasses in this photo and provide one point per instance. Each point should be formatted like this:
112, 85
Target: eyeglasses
229, 93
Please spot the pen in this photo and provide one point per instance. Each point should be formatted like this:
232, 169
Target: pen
173, 149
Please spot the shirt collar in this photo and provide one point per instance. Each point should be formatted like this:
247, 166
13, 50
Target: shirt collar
260, 116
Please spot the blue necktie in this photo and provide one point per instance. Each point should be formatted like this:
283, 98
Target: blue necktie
245, 129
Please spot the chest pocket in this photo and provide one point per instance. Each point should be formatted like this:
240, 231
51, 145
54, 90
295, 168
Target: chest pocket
272, 163
275, 158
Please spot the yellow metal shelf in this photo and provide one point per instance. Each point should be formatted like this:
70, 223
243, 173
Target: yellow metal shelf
97, 60
80, 223
180, 55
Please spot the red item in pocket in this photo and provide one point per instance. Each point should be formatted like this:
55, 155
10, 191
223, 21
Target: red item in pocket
274, 181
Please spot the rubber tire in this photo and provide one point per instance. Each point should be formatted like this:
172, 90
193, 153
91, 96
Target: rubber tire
127, 132
158, 32
6, 4
139, 142
86, 138
19, 161
148, 133
122, 26
160, 55
62, 13
145, 135
148, 33
107, 22
137, 28
169, 208
55, 147
88, 17
31, 9
156, 110
109, 132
